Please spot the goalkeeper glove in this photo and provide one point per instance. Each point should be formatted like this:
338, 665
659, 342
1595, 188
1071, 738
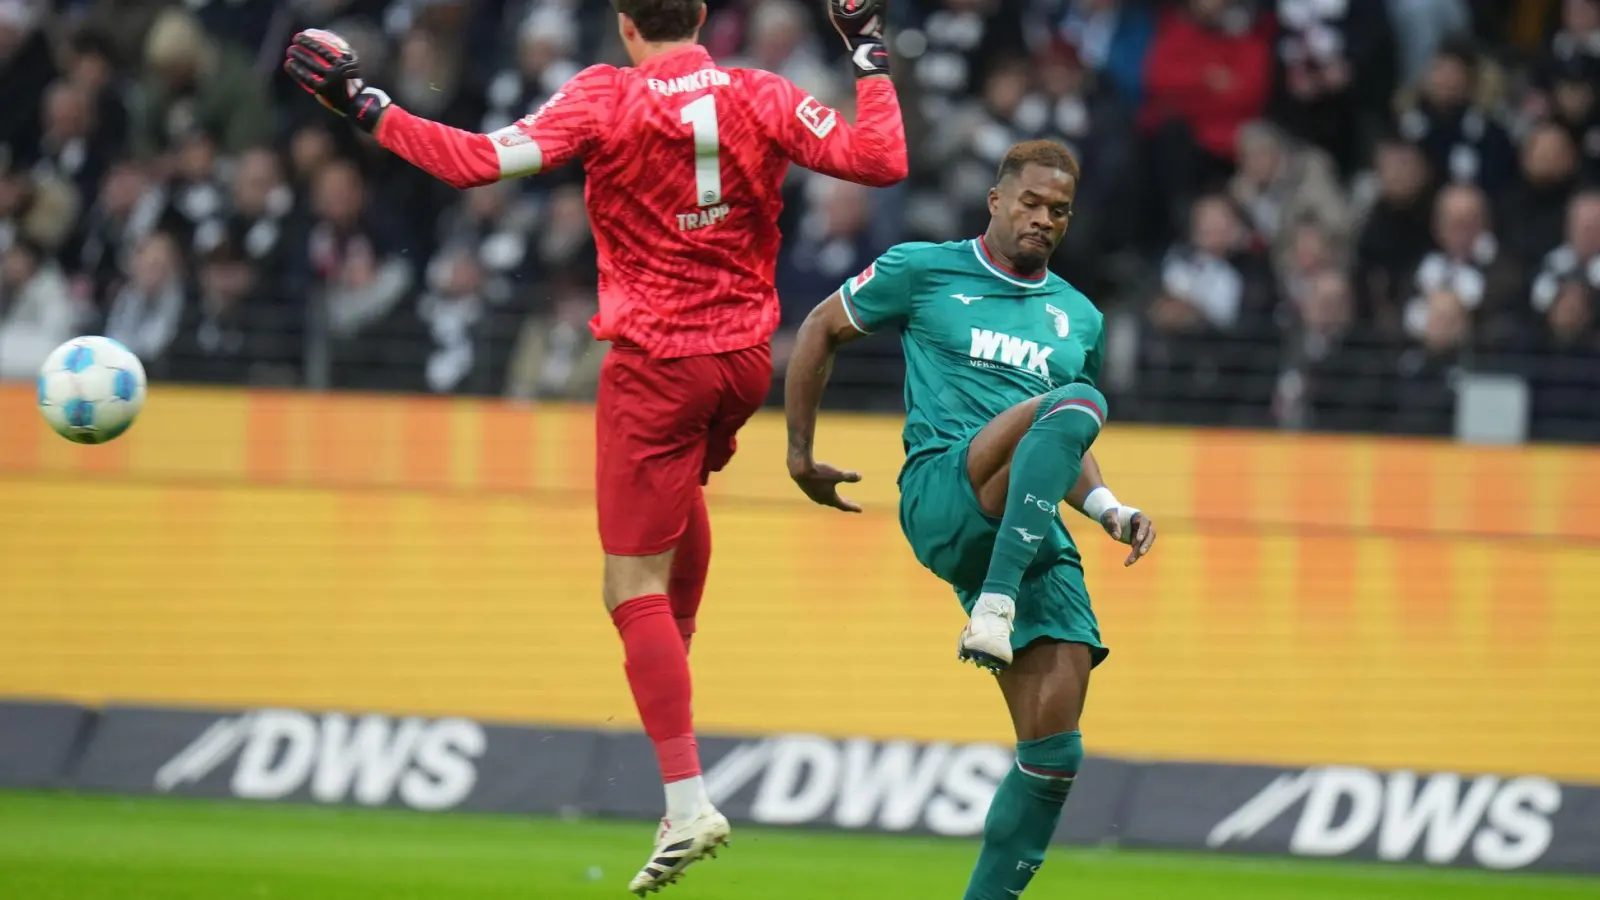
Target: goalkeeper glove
860, 23
325, 65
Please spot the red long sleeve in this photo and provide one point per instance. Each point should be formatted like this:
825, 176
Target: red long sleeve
872, 152
461, 159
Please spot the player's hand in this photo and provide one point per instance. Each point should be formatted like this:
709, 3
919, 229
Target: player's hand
860, 23
326, 66
1132, 527
821, 481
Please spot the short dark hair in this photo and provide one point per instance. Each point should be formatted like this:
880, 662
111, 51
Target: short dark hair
1038, 153
663, 20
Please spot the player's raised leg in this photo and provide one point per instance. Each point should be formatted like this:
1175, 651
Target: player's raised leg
1044, 689
1021, 465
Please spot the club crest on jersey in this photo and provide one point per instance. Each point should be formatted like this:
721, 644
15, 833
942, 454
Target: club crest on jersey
860, 281
816, 117
512, 137
1063, 328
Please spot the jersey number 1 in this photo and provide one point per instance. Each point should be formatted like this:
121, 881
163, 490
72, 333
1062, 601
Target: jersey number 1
701, 114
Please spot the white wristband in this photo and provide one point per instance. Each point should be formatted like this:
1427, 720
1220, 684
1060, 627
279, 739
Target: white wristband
1099, 500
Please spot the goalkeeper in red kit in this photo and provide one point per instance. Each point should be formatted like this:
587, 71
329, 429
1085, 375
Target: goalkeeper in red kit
685, 162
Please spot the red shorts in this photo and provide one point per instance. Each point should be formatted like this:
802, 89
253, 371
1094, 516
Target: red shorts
662, 426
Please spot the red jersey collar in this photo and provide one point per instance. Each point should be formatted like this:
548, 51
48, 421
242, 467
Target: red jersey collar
983, 248
689, 57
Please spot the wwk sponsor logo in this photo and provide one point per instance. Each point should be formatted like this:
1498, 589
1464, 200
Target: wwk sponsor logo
893, 785
370, 760
1496, 823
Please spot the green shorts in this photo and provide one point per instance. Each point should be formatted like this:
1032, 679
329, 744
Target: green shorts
953, 538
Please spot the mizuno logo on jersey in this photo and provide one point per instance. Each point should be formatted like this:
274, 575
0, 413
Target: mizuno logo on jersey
992, 346
1028, 537
965, 300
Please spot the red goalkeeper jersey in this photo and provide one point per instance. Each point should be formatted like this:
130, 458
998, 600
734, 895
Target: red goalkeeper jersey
685, 162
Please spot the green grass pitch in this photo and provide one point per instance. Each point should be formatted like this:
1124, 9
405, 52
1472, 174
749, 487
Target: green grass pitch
66, 847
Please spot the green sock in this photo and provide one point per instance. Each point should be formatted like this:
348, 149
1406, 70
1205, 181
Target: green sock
1043, 469
1023, 816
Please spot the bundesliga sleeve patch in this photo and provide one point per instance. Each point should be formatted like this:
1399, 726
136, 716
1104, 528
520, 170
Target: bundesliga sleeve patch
816, 117
860, 281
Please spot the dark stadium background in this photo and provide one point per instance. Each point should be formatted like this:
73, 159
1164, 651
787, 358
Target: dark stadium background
360, 489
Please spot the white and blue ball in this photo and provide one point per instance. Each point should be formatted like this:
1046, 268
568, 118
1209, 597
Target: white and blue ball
91, 389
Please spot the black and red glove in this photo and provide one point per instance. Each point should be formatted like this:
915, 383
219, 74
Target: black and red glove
860, 23
326, 66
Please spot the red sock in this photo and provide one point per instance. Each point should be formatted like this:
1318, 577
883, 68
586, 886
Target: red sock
658, 672
687, 583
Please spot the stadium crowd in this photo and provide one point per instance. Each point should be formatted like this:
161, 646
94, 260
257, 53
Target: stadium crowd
1295, 213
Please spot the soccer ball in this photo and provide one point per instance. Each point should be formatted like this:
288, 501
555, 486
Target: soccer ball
91, 389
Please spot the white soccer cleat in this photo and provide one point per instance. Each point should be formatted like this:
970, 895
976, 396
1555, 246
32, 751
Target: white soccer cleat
986, 641
678, 847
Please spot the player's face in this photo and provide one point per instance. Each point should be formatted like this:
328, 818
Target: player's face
1033, 208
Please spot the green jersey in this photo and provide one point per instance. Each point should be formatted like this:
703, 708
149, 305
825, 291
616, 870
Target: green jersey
978, 339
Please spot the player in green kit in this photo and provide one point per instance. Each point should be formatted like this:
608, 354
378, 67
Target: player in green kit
1001, 408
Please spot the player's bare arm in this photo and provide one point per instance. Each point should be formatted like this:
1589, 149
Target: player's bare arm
827, 328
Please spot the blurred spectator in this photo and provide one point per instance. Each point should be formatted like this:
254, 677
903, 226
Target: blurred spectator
1335, 374
949, 69
1110, 36
565, 243
498, 224
37, 313
233, 334
1573, 106
1463, 141
459, 324
1312, 252
89, 62
833, 244
1282, 182
1421, 27
195, 83
196, 191
1425, 392
1213, 291
1336, 69
1209, 71
1467, 287
146, 310
1564, 368
127, 208
25, 69
1395, 234
958, 165
542, 63
427, 81
354, 279
258, 206
1073, 107
556, 356
1574, 47
780, 40
1535, 208
1576, 260
70, 145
